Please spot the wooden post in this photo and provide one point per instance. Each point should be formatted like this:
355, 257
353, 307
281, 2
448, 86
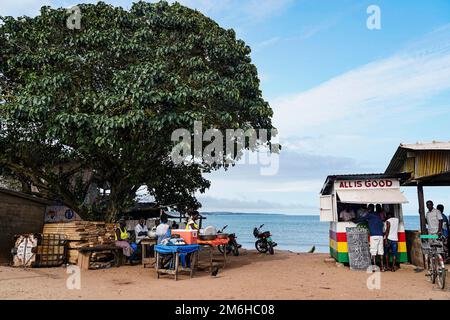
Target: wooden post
177, 262
157, 265
423, 227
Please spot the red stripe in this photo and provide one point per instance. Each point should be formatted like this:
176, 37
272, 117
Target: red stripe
338, 236
342, 236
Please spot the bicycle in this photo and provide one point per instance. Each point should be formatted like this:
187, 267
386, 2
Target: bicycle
433, 249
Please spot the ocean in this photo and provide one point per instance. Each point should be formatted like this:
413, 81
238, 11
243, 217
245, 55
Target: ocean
294, 233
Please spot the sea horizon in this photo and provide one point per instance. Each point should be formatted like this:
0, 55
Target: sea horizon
276, 213
296, 233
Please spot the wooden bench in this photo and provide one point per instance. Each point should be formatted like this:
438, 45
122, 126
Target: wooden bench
84, 255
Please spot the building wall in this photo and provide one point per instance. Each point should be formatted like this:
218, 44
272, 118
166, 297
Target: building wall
17, 216
427, 163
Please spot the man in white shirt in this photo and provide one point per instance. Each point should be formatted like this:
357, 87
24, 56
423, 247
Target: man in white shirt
434, 219
163, 229
391, 239
141, 231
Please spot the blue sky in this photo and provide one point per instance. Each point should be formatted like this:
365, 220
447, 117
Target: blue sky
344, 96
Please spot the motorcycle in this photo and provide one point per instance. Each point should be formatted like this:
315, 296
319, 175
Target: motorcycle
232, 245
264, 242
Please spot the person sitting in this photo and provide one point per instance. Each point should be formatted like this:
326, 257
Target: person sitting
347, 214
391, 239
122, 239
141, 231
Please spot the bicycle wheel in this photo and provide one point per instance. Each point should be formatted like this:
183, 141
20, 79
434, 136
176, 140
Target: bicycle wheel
441, 272
432, 270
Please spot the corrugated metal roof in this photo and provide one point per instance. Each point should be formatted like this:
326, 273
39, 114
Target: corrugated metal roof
435, 145
400, 155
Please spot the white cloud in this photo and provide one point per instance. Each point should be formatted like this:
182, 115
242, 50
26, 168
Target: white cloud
388, 86
266, 43
348, 124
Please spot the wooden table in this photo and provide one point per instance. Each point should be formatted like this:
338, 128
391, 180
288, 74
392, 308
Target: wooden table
177, 268
211, 244
146, 259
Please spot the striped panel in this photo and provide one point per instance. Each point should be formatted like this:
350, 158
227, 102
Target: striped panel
342, 236
402, 247
343, 257
341, 247
339, 257
338, 236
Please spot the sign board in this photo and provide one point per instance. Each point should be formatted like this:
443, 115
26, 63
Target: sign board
60, 214
358, 248
367, 184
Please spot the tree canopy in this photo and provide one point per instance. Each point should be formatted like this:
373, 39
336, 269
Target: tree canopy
94, 108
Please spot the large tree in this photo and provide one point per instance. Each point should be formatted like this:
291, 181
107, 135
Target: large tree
94, 108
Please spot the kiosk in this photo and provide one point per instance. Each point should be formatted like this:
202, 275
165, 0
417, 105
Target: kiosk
356, 192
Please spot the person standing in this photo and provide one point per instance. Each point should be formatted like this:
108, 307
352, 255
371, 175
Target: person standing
391, 240
445, 228
163, 229
434, 219
376, 234
381, 212
192, 222
347, 214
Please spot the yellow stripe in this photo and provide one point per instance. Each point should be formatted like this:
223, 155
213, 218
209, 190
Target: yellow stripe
333, 244
342, 247
402, 247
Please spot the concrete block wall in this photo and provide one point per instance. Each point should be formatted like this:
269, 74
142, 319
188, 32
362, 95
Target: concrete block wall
17, 216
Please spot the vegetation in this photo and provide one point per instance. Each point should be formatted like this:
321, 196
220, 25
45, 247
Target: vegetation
93, 109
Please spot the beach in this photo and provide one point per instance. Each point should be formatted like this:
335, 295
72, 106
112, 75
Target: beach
285, 275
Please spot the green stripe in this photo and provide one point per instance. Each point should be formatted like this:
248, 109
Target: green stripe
343, 256
339, 256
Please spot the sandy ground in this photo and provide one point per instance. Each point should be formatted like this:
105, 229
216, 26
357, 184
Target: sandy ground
250, 276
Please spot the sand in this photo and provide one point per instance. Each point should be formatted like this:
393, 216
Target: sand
252, 275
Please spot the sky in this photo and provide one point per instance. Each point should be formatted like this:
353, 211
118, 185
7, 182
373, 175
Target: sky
344, 96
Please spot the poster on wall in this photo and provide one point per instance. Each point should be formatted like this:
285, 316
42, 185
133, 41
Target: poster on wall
60, 214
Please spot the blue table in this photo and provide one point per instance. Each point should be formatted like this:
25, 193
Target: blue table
179, 253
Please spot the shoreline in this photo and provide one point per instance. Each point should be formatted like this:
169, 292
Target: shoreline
285, 275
